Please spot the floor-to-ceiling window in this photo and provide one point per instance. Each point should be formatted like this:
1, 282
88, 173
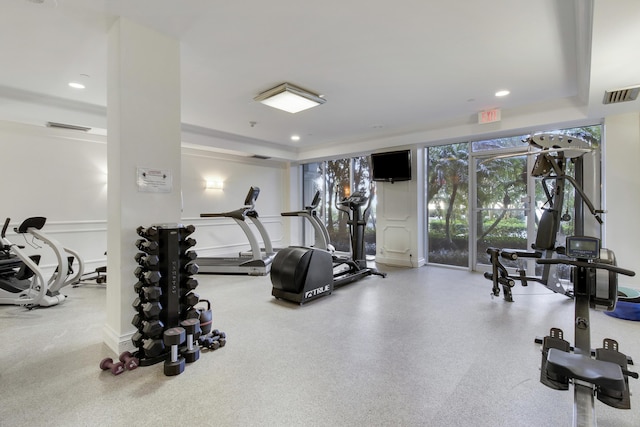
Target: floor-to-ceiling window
337, 180
501, 186
482, 194
447, 204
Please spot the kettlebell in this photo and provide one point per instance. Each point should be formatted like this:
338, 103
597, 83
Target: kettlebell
206, 317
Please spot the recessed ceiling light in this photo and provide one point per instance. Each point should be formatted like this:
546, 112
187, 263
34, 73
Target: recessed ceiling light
76, 85
502, 93
295, 137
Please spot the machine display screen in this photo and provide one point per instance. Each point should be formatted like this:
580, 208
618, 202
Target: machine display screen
583, 247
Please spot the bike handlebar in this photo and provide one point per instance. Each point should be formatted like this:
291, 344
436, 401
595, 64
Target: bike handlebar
4, 228
608, 267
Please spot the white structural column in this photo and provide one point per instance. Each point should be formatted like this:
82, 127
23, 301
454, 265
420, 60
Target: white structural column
143, 105
621, 184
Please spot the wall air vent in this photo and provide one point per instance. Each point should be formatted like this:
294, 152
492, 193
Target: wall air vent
621, 95
67, 126
257, 156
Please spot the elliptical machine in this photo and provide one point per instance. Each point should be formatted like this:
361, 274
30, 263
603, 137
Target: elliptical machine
301, 274
22, 281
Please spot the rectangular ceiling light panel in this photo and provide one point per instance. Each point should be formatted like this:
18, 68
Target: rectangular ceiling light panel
289, 98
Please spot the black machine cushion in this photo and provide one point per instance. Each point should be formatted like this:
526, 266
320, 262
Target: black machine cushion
547, 228
598, 372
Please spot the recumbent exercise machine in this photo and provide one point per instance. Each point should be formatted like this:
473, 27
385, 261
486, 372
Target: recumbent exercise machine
595, 281
22, 280
301, 274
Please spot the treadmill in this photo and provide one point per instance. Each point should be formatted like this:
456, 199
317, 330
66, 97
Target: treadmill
257, 262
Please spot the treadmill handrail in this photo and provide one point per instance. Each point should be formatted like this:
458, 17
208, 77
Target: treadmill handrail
320, 231
239, 214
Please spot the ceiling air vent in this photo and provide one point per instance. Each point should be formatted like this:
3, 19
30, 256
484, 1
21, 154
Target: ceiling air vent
67, 126
621, 95
257, 156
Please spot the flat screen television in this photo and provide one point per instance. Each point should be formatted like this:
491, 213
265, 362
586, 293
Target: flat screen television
392, 166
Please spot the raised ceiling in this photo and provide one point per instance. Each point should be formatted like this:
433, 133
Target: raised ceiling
402, 72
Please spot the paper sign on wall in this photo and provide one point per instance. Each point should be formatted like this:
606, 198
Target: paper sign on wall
154, 180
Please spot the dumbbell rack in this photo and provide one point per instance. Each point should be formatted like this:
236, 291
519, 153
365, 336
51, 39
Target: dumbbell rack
165, 287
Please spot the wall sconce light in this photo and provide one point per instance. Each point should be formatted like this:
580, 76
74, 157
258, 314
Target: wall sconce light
211, 184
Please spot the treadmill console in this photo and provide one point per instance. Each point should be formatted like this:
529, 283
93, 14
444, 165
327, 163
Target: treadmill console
252, 196
315, 202
583, 247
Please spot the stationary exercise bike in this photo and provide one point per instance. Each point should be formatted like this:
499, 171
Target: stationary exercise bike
302, 274
22, 280
595, 280
550, 165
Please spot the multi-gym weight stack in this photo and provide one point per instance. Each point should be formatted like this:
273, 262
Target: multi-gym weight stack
165, 290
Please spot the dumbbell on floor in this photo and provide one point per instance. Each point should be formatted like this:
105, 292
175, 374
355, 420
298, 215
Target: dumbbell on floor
192, 328
107, 365
213, 341
129, 360
174, 337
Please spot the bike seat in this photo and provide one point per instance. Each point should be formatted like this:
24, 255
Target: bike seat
599, 372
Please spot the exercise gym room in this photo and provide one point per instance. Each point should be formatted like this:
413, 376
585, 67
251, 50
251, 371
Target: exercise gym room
464, 176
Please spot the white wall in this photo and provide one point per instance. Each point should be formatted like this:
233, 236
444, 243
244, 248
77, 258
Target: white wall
62, 175
622, 192
217, 236
53, 173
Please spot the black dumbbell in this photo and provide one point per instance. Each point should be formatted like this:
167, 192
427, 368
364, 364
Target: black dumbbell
153, 347
192, 328
138, 286
149, 309
148, 277
189, 229
152, 328
129, 360
108, 365
137, 339
191, 268
149, 232
146, 260
208, 342
219, 336
187, 243
189, 283
213, 341
174, 337
147, 246
137, 320
190, 299
152, 293
189, 255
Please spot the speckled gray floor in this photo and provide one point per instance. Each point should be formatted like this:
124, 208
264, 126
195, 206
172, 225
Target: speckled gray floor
423, 347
